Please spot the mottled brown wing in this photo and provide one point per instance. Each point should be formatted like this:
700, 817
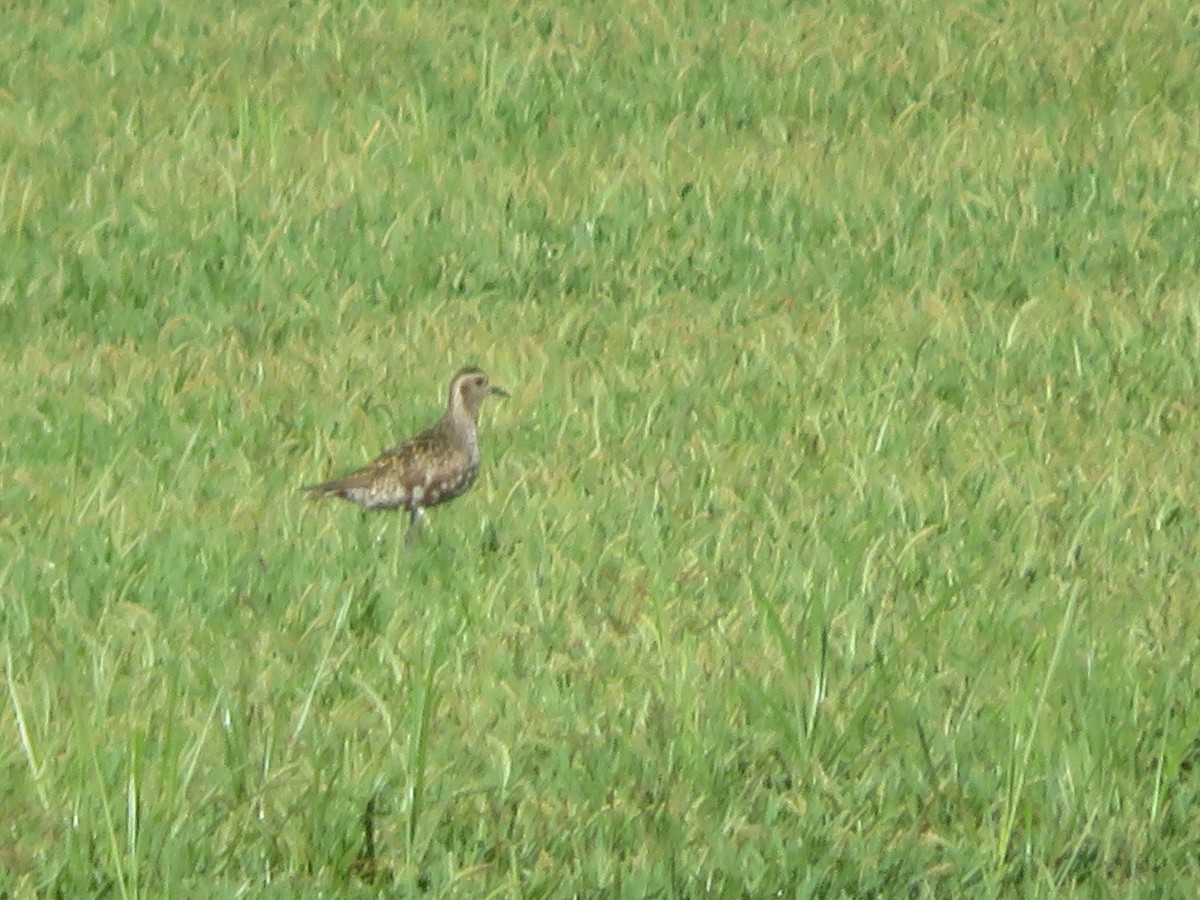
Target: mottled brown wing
432, 467
404, 475
415, 461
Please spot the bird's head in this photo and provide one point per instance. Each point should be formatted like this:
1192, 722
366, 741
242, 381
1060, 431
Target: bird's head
470, 387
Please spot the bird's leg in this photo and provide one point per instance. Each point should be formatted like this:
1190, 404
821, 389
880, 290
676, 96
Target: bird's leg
414, 528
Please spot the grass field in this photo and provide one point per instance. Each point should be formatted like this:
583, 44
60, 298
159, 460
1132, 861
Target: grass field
839, 538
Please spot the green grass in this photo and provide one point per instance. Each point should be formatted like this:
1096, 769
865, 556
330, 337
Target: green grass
839, 538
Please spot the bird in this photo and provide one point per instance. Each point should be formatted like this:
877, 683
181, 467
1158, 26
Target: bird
437, 465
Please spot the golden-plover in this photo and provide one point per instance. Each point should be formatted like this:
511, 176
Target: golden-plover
437, 465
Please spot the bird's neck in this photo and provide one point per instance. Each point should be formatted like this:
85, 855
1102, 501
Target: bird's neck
459, 428
459, 419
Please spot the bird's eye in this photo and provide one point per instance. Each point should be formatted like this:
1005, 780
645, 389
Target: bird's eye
479, 380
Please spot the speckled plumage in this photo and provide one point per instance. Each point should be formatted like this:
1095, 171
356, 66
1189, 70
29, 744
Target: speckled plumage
435, 466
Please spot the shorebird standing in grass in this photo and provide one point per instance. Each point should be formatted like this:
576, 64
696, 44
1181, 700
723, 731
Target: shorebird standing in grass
437, 465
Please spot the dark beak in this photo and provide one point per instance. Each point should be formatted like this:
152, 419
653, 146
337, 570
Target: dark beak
501, 391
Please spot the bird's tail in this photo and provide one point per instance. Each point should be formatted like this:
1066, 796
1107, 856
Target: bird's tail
322, 490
